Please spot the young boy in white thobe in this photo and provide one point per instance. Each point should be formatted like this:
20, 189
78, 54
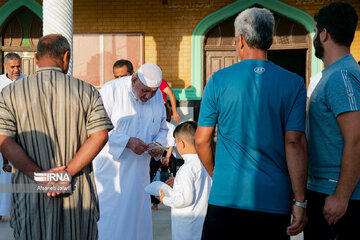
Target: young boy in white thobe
168, 161
191, 188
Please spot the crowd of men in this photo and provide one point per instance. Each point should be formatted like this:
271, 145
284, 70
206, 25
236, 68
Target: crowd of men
280, 167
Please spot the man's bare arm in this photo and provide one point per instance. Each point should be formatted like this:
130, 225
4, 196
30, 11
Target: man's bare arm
203, 140
17, 156
336, 204
87, 152
297, 162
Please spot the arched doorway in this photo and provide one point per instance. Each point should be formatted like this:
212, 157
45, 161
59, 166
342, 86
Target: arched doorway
20, 33
202, 28
291, 48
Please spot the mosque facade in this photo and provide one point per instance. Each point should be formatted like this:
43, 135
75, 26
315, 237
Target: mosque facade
188, 39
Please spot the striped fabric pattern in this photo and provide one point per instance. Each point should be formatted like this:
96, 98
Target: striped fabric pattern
349, 90
50, 115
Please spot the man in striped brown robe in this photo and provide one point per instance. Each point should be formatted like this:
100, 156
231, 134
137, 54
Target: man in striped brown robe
52, 121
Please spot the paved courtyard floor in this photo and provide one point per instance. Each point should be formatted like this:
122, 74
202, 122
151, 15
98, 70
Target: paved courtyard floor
161, 226
5, 230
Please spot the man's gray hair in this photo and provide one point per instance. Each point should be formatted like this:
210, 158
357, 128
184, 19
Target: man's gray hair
53, 45
256, 25
11, 56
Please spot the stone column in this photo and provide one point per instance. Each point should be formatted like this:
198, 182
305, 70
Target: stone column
58, 18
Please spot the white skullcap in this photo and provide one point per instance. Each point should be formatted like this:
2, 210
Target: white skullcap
150, 75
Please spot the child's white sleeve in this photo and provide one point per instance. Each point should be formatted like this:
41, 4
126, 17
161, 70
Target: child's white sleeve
170, 136
183, 193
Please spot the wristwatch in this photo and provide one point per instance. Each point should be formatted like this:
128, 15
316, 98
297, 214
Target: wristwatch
300, 204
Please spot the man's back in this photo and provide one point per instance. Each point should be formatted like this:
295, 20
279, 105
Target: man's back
54, 105
255, 102
50, 115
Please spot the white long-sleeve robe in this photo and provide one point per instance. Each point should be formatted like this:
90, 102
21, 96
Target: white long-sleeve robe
189, 199
5, 177
4, 80
120, 174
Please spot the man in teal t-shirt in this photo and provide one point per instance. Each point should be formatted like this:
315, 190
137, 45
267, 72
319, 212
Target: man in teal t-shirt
260, 163
333, 130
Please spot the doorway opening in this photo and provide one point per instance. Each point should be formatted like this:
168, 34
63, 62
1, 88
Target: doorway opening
293, 60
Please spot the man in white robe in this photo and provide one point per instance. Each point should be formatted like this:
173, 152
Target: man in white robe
12, 67
136, 109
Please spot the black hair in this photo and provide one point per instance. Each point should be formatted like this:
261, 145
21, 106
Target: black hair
169, 112
11, 56
340, 20
124, 62
186, 130
54, 47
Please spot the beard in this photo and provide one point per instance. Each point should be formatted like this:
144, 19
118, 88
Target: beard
319, 48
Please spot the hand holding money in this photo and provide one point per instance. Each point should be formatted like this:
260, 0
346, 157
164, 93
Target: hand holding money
155, 149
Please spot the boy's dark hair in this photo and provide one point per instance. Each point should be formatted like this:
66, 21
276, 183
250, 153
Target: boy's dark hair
124, 62
169, 112
340, 20
186, 131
